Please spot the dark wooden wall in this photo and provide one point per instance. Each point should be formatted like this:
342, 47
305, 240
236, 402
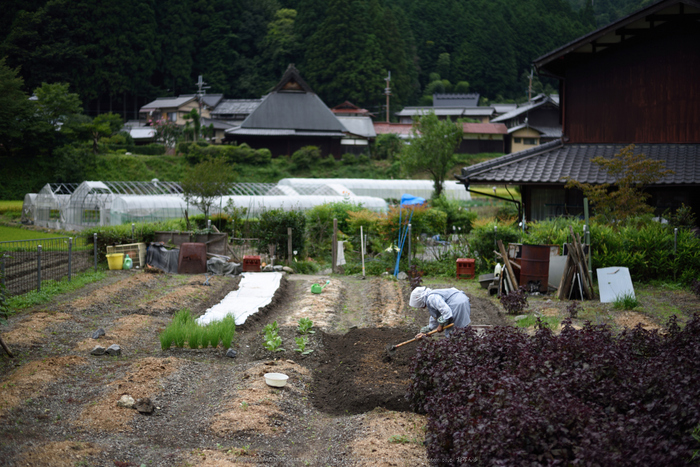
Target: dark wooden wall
646, 90
477, 146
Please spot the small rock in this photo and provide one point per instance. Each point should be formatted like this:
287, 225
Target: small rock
114, 349
97, 334
519, 317
231, 353
278, 267
144, 405
126, 401
402, 276
288, 270
98, 350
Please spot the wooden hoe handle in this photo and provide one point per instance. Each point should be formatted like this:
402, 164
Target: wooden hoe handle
427, 334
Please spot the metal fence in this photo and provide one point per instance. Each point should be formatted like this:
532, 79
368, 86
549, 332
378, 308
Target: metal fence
24, 264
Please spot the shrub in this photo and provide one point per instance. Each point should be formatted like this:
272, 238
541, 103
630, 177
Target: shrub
515, 301
121, 234
304, 157
349, 159
583, 397
625, 302
482, 242
457, 215
153, 149
271, 229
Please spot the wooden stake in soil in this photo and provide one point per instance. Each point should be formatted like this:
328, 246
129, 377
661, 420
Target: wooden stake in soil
7, 349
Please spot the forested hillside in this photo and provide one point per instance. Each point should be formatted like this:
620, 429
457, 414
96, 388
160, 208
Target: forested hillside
120, 55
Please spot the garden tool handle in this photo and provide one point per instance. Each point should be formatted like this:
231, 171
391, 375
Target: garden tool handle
427, 334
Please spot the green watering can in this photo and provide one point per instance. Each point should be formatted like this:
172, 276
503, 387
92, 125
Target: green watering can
315, 288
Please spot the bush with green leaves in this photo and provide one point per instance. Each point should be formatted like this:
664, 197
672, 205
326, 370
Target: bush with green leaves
387, 146
319, 226
305, 157
482, 240
121, 234
457, 214
271, 229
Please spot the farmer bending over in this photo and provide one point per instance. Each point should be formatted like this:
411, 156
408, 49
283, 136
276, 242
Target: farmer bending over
444, 305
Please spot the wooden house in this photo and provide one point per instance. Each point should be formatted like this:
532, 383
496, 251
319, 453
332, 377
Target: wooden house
290, 117
635, 81
531, 124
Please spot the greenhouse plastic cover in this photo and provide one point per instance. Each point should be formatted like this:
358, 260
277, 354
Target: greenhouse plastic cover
254, 292
384, 188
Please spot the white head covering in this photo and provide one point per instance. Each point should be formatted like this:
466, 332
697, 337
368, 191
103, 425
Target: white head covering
418, 295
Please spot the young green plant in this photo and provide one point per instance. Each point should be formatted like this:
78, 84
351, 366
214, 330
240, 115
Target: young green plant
301, 345
305, 325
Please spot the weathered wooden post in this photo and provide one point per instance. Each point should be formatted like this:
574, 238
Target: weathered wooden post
335, 244
289, 246
70, 257
38, 268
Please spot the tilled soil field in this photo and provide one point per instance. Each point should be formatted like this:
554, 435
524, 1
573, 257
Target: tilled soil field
344, 403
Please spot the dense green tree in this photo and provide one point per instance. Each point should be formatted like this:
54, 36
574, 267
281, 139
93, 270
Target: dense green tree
207, 181
432, 148
281, 44
344, 60
16, 111
55, 103
176, 46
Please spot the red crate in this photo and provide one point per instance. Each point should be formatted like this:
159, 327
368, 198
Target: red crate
465, 268
251, 264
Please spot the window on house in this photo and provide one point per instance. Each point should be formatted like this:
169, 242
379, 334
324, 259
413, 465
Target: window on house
517, 140
172, 116
530, 141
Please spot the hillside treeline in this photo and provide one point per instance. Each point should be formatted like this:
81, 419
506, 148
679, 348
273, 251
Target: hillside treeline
119, 55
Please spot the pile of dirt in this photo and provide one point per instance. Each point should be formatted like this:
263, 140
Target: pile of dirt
356, 376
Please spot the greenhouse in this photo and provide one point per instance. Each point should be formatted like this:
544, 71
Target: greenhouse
385, 189
50, 204
28, 208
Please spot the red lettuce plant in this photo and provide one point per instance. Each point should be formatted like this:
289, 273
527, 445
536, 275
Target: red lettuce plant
584, 397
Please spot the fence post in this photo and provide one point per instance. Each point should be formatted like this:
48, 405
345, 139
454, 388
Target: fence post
2, 269
289, 246
133, 226
38, 268
94, 243
70, 257
335, 244
409, 246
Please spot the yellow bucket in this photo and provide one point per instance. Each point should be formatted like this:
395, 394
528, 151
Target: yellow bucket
115, 260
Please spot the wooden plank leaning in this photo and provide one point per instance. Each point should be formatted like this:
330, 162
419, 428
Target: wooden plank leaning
511, 275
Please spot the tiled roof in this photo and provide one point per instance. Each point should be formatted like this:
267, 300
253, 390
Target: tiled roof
167, 102
547, 132
485, 128
236, 106
442, 111
551, 162
280, 132
401, 129
360, 126
522, 109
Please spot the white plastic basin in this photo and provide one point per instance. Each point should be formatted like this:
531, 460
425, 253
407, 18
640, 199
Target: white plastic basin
276, 379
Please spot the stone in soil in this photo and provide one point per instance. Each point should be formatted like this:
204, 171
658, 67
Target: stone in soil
98, 350
231, 353
144, 405
126, 401
114, 349
97, 334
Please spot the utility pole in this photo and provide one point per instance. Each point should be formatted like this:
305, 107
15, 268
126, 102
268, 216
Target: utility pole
201, 91
387, 91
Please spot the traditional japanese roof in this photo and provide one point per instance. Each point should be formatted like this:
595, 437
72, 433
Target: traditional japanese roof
360, 126
524, 109
503, 108
485, 128
212, 100
292, 105
547, 132
456, 100
168, 102
636, 24
551, 162
348, 107
401, 129
236, 106
218, 124
447, 111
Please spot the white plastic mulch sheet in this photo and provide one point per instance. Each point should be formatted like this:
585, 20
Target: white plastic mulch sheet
254, 292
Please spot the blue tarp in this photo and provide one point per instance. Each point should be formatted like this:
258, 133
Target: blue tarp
410, 200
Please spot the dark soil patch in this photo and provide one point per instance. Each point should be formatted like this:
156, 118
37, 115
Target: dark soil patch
355, 376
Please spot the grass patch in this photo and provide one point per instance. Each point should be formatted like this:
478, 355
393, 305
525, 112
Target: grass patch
50, 288
625, 302
15, 233
184, 330
552, 322
11, 206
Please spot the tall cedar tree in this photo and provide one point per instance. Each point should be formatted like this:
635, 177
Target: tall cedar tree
343, 57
